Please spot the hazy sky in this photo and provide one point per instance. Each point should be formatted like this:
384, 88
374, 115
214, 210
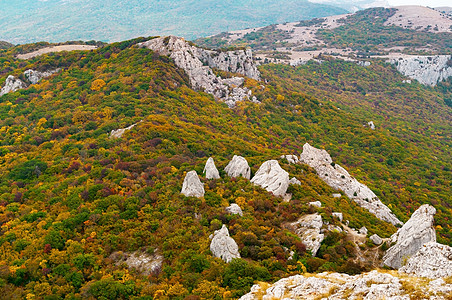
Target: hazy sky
431, 3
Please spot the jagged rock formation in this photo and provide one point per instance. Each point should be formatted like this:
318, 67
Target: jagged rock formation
433, 260
210, 170
143, 262
234, 209
35, 76
198, 64
223, 246
118, 133
293, 180
238, 166
12, 84
372, 285
338, 178
376, 239
272, 177
411, 237
308, 229
428, 70
192, 186
363, 230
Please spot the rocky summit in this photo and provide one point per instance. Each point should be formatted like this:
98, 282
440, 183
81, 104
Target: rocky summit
416, 232
198, 64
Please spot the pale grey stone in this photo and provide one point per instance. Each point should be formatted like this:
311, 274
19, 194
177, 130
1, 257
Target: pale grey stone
433, 260
294, 181
272, 178
223, 246
315, 203
118, 133
308, 229
411, 237
363, 230
234, 209
338, 178
192, 186
337, 195
35, 76
371, 125
376, 239
211, 170
143, 262
338, 215
238, 166
12, 84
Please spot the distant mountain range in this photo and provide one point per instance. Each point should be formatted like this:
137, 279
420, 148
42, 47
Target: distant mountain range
24, 21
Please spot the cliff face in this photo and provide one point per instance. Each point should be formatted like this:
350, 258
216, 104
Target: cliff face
428, 70
198, 64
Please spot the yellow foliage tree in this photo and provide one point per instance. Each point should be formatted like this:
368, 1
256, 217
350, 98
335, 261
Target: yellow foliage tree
97, 84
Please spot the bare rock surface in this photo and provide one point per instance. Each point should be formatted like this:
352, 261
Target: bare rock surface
192, 186
293, 180
291, 159
272, 178
223, 246
338, 178
433, 260
211, 170
198, 64
371, 125
308, 229
234, 209
376, 239
35, 76
143, 262
420, 18
315, 203
238, 166
338, 215
12, 84
118, 133
416, 232
428, 70
369, 286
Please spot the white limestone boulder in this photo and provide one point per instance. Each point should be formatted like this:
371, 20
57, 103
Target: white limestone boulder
238, 166
338, 178
315, 203
118, 133
411, 237
295, 181
308, 229
272, 178
234, 209
376, 239
36, 76
433, 260
12, 84
291, 159
192, 186
210, 170
223, 246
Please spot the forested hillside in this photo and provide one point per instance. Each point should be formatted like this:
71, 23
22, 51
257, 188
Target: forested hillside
74, 201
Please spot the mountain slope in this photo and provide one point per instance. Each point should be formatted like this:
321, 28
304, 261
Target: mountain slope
107, 20
75, 203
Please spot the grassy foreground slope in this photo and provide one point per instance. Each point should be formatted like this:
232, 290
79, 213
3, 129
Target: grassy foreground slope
73, 200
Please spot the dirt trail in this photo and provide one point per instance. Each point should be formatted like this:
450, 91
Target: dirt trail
55, 49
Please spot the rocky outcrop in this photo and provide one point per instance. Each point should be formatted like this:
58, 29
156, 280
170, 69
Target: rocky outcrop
411, 237
376, 239
372, 285
238, 166
308, 229
35, 76
272, 178
118, 133
210, 170
363, 230
12, 84
371, 125
192, 186
338, 178
198, 64
295, 181
143, 262
433, 260
315, 203
291, 159
428, 70
234, 209
223, 246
